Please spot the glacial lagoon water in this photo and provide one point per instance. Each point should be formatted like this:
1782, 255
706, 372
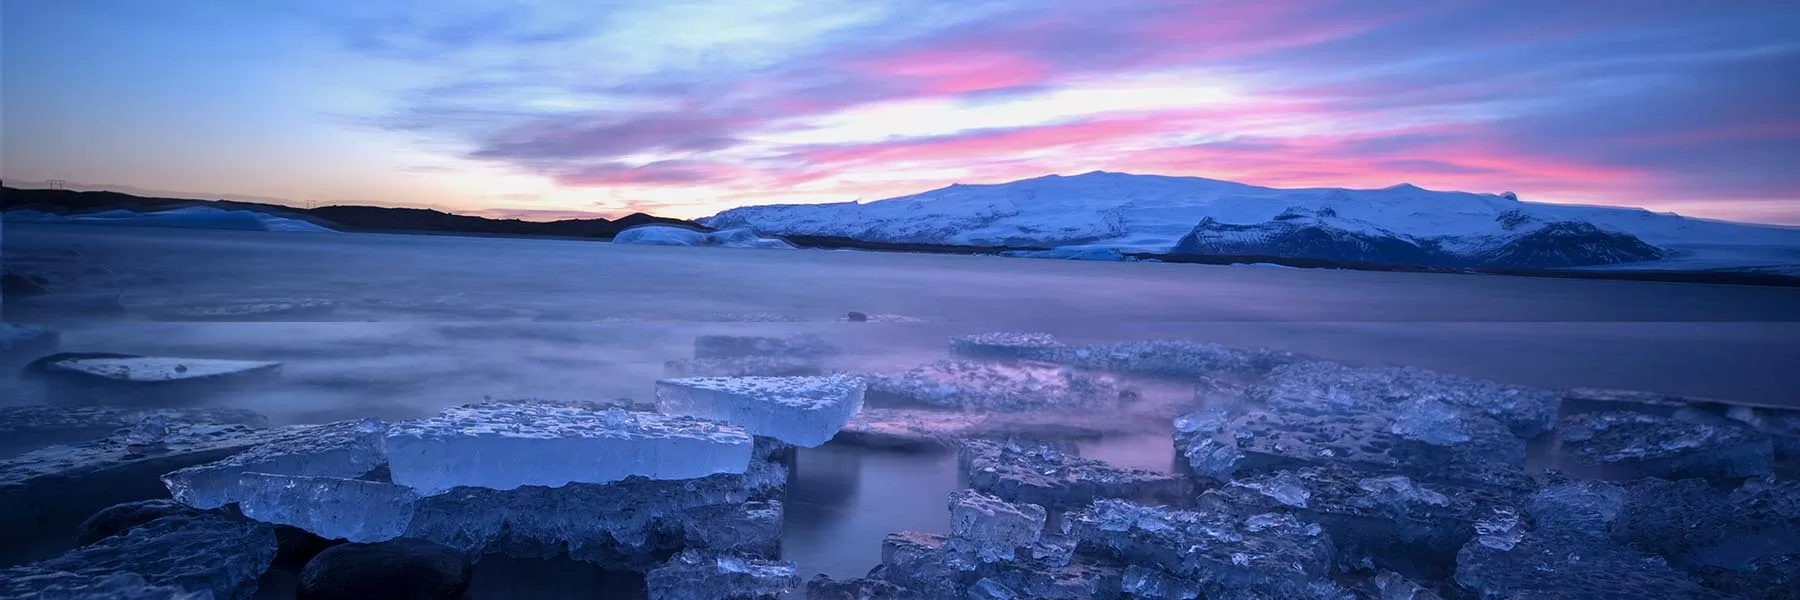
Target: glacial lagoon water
423, 322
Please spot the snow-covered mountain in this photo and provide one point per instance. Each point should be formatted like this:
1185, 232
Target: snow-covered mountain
192, 217
1403, 224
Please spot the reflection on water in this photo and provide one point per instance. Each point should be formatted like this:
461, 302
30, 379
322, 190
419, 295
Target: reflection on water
843, 500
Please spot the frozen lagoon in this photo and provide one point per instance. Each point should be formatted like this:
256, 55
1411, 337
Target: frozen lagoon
421, 322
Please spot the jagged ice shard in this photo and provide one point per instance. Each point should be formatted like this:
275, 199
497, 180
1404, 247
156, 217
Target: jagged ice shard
343, 449
804, 411
330, 507
505, 445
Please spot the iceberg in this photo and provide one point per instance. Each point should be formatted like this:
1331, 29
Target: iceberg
804, 411
665, 235
505, 445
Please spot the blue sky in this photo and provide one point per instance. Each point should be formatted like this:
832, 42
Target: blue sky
542, 109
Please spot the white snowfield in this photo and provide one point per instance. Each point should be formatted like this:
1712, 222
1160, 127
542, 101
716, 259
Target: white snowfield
663, 235
1150, 213
192, 217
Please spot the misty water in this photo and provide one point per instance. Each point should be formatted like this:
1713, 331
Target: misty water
424, 322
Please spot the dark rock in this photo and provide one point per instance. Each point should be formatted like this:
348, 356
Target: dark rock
295, 546
120, 518
400, 569
857, 317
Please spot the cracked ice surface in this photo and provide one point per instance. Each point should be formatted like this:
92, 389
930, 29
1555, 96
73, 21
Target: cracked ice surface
1322, 388
504, 445
208, 555
1270, 552
1029, 346
1177, 358
1647, 445
980, 386
342, 449
621, 524
993, 528
1538, 564
1266, 442
804, 411
1411, 526
1043, 475
693, 575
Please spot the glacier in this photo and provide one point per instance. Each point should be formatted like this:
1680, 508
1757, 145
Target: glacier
1098, 214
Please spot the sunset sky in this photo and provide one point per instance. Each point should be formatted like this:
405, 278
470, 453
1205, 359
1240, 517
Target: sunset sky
542, 109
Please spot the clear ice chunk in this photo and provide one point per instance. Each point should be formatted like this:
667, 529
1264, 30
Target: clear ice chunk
1325, 388
1029, 346
1400, 523
983, 386
504, 445
1152, 584
329, 507
993, 528
1582, 506
1178, 358
1273, 554
693, 575
1042, 475
344, 449
804, 411
1264, 442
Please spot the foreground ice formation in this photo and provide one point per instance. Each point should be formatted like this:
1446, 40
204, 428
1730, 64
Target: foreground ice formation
1537, 564
1633, 445
992, 528
1044, 475
515, 478
983, 386
804, 411
1178, 358
58, 486
1029, 346
1410, 526
1261, 442
507, 445
697, 576
206, 556
1272, 553
344, 449
1317, 387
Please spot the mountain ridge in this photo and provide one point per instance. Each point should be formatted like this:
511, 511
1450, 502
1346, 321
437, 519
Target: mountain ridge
1132, 214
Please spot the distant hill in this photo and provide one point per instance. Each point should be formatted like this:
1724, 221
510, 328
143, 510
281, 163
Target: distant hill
342, 218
